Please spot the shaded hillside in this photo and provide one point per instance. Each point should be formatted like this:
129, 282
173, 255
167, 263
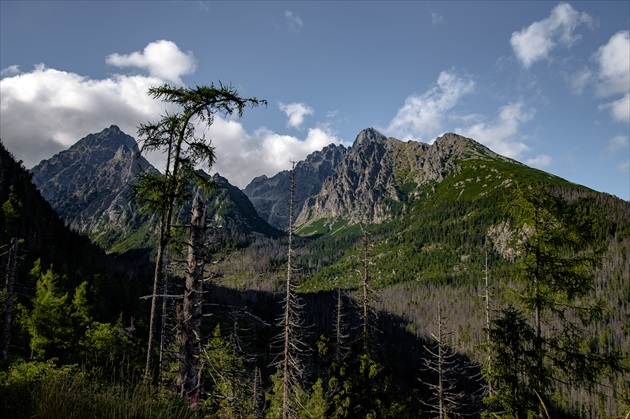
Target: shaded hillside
89, 185
44, 235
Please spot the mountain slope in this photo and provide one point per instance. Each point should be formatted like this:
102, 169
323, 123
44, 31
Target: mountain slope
90, 185
115, 282
378, 175
270, 196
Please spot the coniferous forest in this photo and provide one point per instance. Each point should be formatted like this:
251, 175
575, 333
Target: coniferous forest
489, 290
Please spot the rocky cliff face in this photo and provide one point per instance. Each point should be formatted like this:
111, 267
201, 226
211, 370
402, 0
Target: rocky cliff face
270, 196
377, 175
89, 184
368, 182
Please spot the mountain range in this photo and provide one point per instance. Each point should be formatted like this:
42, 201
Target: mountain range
90, 186
436, 217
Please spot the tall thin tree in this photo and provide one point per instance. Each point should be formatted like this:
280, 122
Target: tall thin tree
175, 136
290, 369
445, 400
190, 349
10, 210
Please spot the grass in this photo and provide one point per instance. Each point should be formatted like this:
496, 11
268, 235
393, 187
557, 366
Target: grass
39, 389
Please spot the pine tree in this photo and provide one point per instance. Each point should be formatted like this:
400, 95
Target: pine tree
49, 323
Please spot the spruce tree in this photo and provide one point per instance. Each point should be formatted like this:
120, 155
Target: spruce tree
555, 290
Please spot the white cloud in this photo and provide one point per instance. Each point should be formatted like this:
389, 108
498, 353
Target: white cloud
540, 161
293, 20
10, 71
162, 59
296, 113
241, 156
421, 116
624, 167
45, 111
502, 133
613, 60
535, 42
437, 19
614, 64
620, 108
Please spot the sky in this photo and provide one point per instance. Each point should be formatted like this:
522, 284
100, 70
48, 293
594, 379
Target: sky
543, 82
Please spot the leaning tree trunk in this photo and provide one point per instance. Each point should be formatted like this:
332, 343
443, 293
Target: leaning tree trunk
8, 301
192, 306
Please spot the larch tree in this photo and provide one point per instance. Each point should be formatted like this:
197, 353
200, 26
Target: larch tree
175, 136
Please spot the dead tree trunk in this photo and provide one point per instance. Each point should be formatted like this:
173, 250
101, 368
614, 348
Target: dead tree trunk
192, 306
441, 362
291, 323
339, 327
487, 298
157, 277
8, 302
368, 322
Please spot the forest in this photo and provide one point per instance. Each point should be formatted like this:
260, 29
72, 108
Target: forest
509, 301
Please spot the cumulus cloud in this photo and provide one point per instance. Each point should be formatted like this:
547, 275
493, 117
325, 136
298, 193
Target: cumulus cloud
293, 21
296, 113
535, 42
501, 134
162, 59
422, 115
45, 111
613, 60
241, 156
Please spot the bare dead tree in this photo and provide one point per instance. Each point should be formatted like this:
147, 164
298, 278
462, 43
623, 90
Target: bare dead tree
190, 349
289, 363
445, 401
368, 315
487, 300
339, 327
8, 301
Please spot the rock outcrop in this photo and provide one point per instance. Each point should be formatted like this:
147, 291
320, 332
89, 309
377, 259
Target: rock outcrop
270, 196
89, 184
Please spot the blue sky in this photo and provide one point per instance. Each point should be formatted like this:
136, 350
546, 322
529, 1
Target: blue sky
546, 83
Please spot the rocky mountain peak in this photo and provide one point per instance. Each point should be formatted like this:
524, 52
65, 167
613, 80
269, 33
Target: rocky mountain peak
270, 196
110, 139
369, 135
89, 183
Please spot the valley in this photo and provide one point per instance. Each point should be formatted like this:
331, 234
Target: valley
433, 229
